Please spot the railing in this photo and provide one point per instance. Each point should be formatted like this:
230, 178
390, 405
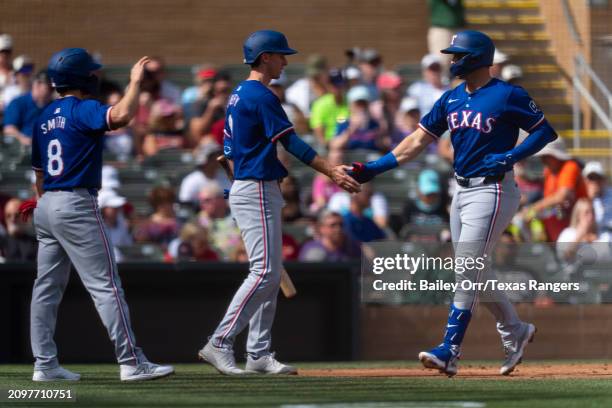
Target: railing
580, 89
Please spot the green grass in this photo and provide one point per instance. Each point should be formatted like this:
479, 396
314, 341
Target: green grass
198, 385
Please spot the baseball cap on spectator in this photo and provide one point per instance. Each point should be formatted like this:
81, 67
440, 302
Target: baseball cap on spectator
593, 168
336, 77
316, 64
205, 153
510, 72
409, 104
207, 73
110, 177
431, 61
6, 42
352, 72
499, 57
109, 198
370, 56
555, 149
388, 80
23, 65
358, 93
429, 182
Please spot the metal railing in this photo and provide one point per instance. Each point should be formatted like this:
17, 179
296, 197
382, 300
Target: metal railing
581, 90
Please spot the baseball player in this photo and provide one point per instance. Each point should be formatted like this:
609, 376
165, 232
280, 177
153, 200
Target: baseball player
255, 123
483, 115
67, 159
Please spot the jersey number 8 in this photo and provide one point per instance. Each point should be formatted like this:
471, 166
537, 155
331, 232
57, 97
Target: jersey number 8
55, 164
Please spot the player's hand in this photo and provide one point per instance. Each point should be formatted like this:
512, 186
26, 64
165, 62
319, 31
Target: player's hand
340, 176
138, 69
361, 172
498, 163
26, 209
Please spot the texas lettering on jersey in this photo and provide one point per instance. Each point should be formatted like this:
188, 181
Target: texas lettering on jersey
469, 119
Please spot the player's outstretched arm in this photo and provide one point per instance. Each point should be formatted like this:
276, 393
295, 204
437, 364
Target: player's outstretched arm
408, 149
125, 109
338, 174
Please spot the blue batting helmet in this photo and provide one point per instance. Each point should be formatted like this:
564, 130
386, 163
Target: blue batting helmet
265, 41
72, 68
477, 46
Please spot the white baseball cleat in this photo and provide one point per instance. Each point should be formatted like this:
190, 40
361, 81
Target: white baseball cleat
55, 374
514, 349
144, 371
223, 360
268, 365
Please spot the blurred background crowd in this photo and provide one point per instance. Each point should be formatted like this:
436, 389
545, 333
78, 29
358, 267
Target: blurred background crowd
162, 189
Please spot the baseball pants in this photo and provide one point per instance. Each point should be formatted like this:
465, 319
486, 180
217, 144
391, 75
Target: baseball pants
256, 206
69, 229
479, 215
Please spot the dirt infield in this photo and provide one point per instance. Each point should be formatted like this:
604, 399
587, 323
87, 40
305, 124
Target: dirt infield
544, 370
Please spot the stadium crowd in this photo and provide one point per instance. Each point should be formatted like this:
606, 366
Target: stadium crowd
361, 107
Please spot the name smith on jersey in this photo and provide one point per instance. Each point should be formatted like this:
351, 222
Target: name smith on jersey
56, 122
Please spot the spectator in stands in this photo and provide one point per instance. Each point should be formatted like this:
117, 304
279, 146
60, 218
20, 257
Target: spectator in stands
290, 189
165, 128
500, 59
361, 131
207, 171
202, 85
352, 75
291, 248
19, 243
530, 187
446, 17
119, 142
111, 207
303, 92
599, 193
215, 216
22, 112
195, 245
563, 186
331, 243
6, 61
581, 232
110, 177
385, 109
208, 122
22, 71
357, 225
295, 115
323, 188
377, 209
370, 63
430, 206
428, 90
406, 120
330, 109
161, 227
156, 70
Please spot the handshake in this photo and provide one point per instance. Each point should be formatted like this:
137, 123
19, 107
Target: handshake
364, 172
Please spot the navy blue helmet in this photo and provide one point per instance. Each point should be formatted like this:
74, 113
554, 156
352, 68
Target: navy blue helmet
477, 47
72, 68
265, 41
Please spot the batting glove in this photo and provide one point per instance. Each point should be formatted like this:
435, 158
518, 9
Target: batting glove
361, 172
498, 163
27, 208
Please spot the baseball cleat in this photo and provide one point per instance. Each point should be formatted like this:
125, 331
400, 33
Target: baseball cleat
144, 371
268, 365
514, 349
223, 360
442, 358
55, 374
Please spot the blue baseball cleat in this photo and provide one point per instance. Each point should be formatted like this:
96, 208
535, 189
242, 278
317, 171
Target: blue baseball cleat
443, 358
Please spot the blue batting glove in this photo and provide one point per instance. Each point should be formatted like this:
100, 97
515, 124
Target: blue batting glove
498, 163
226, 193
361, 172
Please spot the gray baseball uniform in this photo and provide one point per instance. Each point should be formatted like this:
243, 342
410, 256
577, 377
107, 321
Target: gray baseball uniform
256, 206
69, 229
